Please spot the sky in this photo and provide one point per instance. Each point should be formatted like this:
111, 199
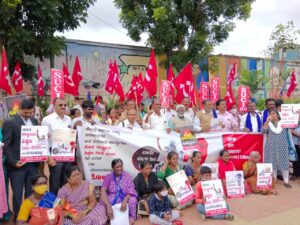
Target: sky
249, 38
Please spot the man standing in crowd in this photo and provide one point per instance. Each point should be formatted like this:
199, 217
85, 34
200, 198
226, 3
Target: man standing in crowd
207, 116
87, 117
188, 112
129, 104
20, 174
130, 122
78, 105
251, 121
225, 119
180, 121
57, 120
155, 120
270, 105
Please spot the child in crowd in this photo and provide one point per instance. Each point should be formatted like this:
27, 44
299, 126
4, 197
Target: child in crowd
200, 200
159, 207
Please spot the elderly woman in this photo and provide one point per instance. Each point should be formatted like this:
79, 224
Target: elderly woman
79, 202
34, 208
144, 182
276, 146
250, 174
118, 188
192, 171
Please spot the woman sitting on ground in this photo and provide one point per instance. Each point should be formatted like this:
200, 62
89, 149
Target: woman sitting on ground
143, 183
34, 208
118, 188
79, 202
192, 171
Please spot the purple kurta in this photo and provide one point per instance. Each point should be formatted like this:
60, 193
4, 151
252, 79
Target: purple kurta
128, 188
78, 201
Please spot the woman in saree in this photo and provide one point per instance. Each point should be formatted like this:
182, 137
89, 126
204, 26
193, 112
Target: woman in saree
225, 165
79, 202
118, 188
250, 174
34, 208
192, 170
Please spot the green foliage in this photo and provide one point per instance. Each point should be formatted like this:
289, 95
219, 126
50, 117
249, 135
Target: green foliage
28, 27
254, 79
260, 104
184, 30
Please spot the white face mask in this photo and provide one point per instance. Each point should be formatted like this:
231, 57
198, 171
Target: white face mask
164, 193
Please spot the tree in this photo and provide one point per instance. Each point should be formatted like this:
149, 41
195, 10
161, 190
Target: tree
184, 30
282, 38
28, 28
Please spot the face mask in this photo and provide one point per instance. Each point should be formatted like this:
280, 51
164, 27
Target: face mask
233, 111
164, 193
40, 189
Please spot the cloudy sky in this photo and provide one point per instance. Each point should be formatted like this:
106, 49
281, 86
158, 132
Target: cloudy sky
249, 38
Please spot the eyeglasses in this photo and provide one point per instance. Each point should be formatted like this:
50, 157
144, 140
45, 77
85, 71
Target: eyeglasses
60, 105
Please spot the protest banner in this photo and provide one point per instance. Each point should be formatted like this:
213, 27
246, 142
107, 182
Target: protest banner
164, 96
264, 176
189, 142
181, 187
203, 92
214, 170
215, 89
99, 145
63, 142
13, 103
290, 115
243, 98
235, 184
34, 144
214, 195
57, 84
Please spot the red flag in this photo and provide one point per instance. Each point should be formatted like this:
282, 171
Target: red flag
98, 101
184, 84
293, 83
17, 79
77, 75
136, 89
151, 76
40, 82
215, 89
109, 84
229, 97
69, 86
4, 75
117, 83
170, 78
243, 98
203, 92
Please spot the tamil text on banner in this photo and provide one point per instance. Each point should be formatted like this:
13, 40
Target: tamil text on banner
235, 184
13, 103
264, 176
99, 145
57, 84
243, 98
34, 144
214, 195
164, 96
290, 115
181, 187
215, 89
214, 170
63, 145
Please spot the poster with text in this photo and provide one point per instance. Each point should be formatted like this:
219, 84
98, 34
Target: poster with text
214, 170
214, 195
181, 187
63, 145
235, 184
264, 176
189, 141
34, 144
290, 115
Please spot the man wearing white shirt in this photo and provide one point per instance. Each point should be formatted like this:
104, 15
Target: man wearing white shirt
57, 120
188, 112
155, 120
251, 121
130, 122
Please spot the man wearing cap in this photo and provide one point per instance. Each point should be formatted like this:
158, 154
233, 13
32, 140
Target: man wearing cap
180, 121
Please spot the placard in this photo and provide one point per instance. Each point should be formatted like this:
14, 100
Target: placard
264, 176
235, 184
215, 89
181, 187
243, 98
214, 170
57, 84
214, 196
63, 145
290, 115
34, 144
164, 96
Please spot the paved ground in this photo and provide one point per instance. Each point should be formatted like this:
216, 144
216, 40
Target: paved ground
283, 209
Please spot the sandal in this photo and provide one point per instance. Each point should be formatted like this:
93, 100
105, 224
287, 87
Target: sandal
229, 217
287, 185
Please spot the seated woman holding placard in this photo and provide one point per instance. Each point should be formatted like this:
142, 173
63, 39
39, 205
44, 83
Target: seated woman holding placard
41, 207
192, 170
250, 174
144, 182
79, 202
170, 167
118, 189
224, 165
